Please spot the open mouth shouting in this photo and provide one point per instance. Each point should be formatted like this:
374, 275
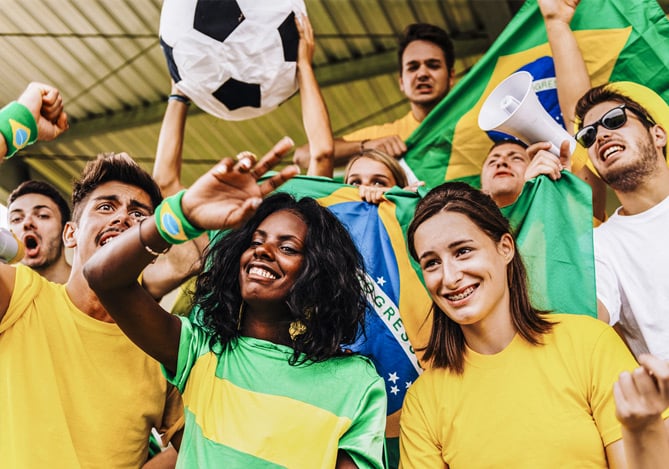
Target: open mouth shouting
32, 244
106, 236
609, 150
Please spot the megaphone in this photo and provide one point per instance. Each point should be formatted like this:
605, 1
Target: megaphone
11, 247
513, 108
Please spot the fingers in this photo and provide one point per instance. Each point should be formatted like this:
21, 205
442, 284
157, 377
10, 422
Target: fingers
273, 157
544, 162
658, 369
277, 179
535, 148
565, 155
221, 169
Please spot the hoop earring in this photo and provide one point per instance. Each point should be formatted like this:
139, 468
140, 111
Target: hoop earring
296, 329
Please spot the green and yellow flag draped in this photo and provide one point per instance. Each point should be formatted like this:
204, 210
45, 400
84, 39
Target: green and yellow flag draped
620, 40
552, 223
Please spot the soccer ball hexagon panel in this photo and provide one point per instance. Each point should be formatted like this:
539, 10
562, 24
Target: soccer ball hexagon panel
236, 59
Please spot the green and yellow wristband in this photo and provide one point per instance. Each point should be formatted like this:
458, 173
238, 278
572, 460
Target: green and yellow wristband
18, 127
171, 222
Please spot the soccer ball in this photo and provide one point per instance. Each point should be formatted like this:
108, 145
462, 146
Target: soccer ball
236, 59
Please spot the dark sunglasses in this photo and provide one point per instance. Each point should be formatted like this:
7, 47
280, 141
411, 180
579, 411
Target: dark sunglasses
613, 119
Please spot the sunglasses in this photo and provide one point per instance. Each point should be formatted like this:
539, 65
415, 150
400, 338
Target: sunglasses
613, 119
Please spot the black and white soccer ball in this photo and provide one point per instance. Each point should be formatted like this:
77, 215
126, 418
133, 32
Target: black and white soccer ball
236, 59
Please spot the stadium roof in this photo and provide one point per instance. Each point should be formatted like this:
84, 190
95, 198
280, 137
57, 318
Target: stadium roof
105, 57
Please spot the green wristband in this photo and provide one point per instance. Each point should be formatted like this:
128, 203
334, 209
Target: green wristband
18, 126
171, 222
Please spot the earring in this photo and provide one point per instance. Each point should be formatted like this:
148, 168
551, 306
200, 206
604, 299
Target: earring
296, 328
242, 308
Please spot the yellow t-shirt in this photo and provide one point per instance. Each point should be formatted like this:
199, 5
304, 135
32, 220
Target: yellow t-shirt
74, 391
547, 406
402, 127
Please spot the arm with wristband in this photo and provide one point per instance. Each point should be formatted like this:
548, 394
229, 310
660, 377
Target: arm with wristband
36, 115
222, 198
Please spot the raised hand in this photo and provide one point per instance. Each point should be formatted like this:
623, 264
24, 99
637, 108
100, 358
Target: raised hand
46, 105
543, 161
562, 10
229, 193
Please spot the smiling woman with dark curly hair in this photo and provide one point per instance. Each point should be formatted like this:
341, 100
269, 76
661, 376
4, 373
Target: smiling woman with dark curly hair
261, 362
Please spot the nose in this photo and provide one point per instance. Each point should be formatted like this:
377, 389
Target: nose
451, 275
28, 222
263, 251
502, 161
122, 217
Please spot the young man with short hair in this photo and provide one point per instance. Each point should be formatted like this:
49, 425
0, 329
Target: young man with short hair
37, 215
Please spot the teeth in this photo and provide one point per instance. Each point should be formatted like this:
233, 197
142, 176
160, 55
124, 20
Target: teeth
611, 150
261, 272
108, 240
462, 295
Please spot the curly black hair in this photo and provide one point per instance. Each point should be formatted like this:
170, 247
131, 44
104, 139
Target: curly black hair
329, 295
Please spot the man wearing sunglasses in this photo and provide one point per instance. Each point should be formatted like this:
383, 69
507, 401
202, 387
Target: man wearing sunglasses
624, 128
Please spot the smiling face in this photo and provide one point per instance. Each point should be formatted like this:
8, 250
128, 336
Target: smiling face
627, 156
425, 78
271, 264
503, 173
36, 220
465, 271
368, 172
109, 210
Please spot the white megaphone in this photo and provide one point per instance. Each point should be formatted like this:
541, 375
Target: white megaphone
513, 108
11, 247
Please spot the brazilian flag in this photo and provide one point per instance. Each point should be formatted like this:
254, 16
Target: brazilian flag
379, 232
621, 40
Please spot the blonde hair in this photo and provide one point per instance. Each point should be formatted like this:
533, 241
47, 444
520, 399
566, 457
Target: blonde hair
384, 158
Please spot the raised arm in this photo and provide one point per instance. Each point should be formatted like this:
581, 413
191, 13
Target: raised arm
41, 102
167, 167
572, 80
570, 71
223, 198
183, 261
40, 112
315, 117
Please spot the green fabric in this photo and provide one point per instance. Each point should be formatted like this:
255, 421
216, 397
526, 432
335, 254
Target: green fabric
231, 397
644, 59
552, 222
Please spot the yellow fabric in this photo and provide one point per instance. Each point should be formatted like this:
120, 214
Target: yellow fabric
219, 423
74, 391
402, 127
547, 406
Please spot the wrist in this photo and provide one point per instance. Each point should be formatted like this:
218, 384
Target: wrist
179, 98
18, 127
171, 222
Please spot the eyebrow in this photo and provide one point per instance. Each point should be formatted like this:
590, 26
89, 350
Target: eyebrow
450, 246
133, 202
281, 238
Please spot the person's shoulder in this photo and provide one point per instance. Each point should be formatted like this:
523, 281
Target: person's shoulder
576, 328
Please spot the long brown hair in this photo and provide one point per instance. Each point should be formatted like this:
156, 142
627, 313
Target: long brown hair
446, 346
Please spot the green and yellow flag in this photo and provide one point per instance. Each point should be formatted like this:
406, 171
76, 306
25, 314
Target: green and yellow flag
620, 40
552, 223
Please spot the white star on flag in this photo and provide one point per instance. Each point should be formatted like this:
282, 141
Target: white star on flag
381, 281
393, 377
395, 390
